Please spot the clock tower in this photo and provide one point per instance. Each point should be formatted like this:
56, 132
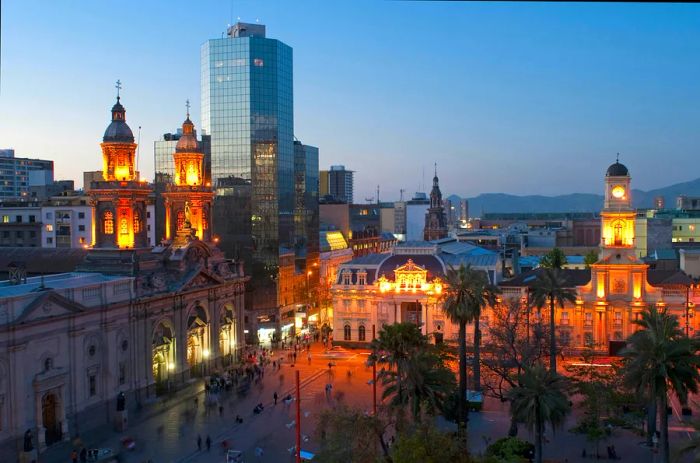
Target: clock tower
617, 216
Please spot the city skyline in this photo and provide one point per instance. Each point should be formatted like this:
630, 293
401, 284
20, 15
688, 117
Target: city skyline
373, 97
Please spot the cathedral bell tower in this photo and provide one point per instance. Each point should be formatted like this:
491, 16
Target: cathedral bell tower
435, 221
188, 199
119, 200
617, 216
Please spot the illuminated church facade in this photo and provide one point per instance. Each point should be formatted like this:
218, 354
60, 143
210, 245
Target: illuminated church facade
132, 318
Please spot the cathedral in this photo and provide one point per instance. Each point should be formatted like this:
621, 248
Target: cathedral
435, 220
133, 320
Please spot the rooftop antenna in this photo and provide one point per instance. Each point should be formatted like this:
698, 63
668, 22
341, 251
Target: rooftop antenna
401, 190
377, 194
422, 187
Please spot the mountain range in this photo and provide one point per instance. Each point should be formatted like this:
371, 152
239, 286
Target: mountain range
575, 202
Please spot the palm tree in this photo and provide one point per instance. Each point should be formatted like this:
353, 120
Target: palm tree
395, 346
538, 400
467, 292
426, 382
551, 288
661, 360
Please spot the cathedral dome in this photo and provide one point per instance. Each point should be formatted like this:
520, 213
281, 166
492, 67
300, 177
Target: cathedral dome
118, 130
188, 140
617, 170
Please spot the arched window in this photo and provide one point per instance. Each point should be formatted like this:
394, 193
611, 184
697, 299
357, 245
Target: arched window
361, 333
108, 222
346, 333
137, 222
48, 363
180, 220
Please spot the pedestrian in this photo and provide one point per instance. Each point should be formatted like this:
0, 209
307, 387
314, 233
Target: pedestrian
221, 410
74, 456
208, 442
199, 443
83, 455
308, 357
274, 396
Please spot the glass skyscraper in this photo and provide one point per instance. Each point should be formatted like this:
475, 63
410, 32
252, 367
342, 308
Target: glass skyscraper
247, 108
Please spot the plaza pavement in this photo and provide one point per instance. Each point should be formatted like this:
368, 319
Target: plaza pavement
171, 435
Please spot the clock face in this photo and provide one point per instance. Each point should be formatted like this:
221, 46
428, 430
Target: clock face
618, 192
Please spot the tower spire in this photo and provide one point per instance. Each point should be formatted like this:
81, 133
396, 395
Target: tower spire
187, 105
118, 86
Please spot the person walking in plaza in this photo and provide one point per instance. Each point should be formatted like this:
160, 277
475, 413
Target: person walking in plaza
208, 442
274, 396
83, 455
199, 443
308, 357
74, 456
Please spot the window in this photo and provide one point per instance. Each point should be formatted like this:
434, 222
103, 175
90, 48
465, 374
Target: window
361, 304
32, 234
148, 214
362, 278
588, 319
48, 363
81, 215
122, 373
5, 219
124, 222
346, 333
82, 240
49, 240
346, 304
588, 339
81, 227
565, 318
346, 277
361, 333
18, 219
5, 234
32, 219
49, 227
617, 321
137, 222
258, 62
108, 222
92, 385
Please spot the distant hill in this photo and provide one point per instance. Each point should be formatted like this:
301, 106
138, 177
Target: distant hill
576, 202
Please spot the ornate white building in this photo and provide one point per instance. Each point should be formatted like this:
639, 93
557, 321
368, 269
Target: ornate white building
131, 319
404, 285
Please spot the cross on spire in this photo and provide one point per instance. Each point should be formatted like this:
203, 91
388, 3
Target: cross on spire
618, 158
118, 86
436, 169
187, 105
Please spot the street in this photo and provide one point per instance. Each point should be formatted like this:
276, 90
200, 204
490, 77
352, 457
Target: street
172, 435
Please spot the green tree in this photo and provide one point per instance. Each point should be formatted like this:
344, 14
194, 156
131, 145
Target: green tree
553, 259
427, 444
427, 384
467, 292
365, 443
397, 346
600, 388
661, 360
590, 258
540, 399
552, 288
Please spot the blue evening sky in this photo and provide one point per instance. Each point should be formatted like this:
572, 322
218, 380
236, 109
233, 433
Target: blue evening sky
518, 98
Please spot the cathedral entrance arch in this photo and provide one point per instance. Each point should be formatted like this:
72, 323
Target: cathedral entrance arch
49, 418
197, 340
163, 356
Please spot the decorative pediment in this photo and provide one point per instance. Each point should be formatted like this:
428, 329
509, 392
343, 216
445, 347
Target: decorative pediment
200, 279
49, 304
410, 275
